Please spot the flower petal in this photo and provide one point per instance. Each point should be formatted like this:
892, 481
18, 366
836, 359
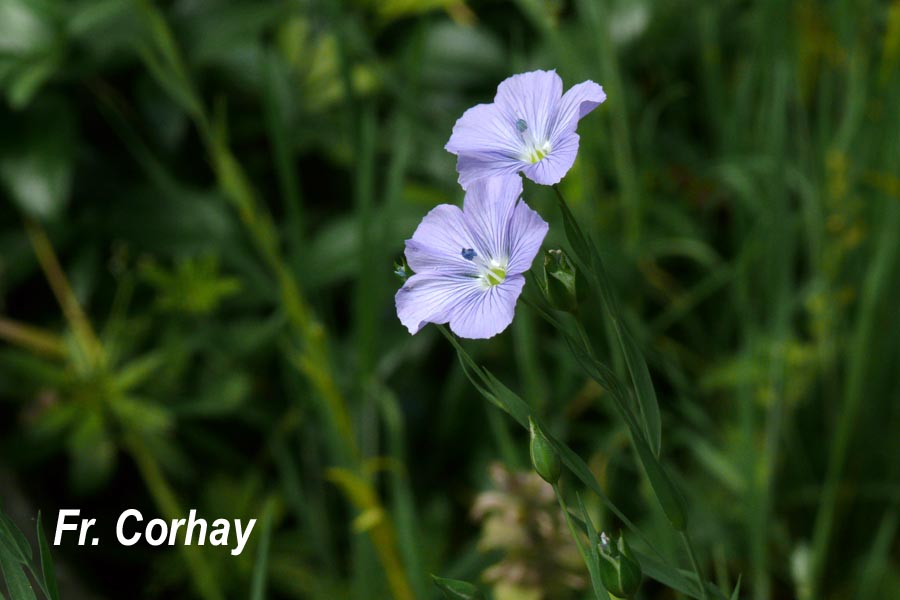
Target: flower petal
553, 167
485, 314
486, 142
527, 231
575, 104
488, 209
484, 128
431, 297
472, 167
439, 240
532, 97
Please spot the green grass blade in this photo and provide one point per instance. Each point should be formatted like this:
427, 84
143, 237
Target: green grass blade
668, 496
590, 264
13, 540
679, 580
666, 493
877, 558
47, 569
261, 567
736, 594
16, 580
643, 388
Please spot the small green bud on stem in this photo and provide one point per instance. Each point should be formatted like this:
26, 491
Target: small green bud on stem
620, 571
402, 270
544, 458
560, 281
454, 589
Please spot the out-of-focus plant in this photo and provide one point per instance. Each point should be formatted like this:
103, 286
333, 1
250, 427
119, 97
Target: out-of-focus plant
519, 516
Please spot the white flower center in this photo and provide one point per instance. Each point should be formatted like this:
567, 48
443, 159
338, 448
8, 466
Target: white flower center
534, 149
491, 272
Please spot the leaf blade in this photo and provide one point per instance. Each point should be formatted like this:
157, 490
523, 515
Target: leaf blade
16, 580
47, 569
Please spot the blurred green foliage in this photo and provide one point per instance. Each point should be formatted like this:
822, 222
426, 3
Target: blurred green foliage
201, 202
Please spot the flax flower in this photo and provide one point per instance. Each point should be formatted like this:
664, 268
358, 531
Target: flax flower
469, 263
530, 127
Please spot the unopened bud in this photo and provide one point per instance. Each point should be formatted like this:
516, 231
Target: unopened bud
560, 281
454, 589
620, 571
544, 458
402, 270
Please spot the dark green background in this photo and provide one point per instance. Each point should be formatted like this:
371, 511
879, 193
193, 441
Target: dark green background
225, 186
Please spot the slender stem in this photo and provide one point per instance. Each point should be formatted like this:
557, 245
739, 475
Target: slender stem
66, 298
589, 258
572, 529
35, 339
167, 503
701, 581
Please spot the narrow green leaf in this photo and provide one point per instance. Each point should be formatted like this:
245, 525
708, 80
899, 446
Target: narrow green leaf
176, 89
138, 371
261, 568
677, 579
643, 388
16, 580
736, 594
590, 263
574, 234
13, 540
668, 496
47, 569
455, 589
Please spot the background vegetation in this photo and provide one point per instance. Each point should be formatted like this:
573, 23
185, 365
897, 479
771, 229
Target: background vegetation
200, 203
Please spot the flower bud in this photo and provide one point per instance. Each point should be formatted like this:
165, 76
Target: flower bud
560, 279
544, 458
620, 571
402, 270
454, 589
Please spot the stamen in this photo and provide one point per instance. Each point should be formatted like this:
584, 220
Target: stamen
495, 275
491, 272
534, 151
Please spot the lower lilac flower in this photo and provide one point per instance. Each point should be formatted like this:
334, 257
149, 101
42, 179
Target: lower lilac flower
530, 127
469, 263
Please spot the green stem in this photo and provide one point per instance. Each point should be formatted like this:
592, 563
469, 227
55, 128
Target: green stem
572, 529
888, 254
164, 497
65, 296
34, 339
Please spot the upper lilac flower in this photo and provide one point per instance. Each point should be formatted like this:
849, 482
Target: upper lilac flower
530, 127
469, 262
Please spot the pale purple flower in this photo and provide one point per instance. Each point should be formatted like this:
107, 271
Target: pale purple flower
530, 127
469, 263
